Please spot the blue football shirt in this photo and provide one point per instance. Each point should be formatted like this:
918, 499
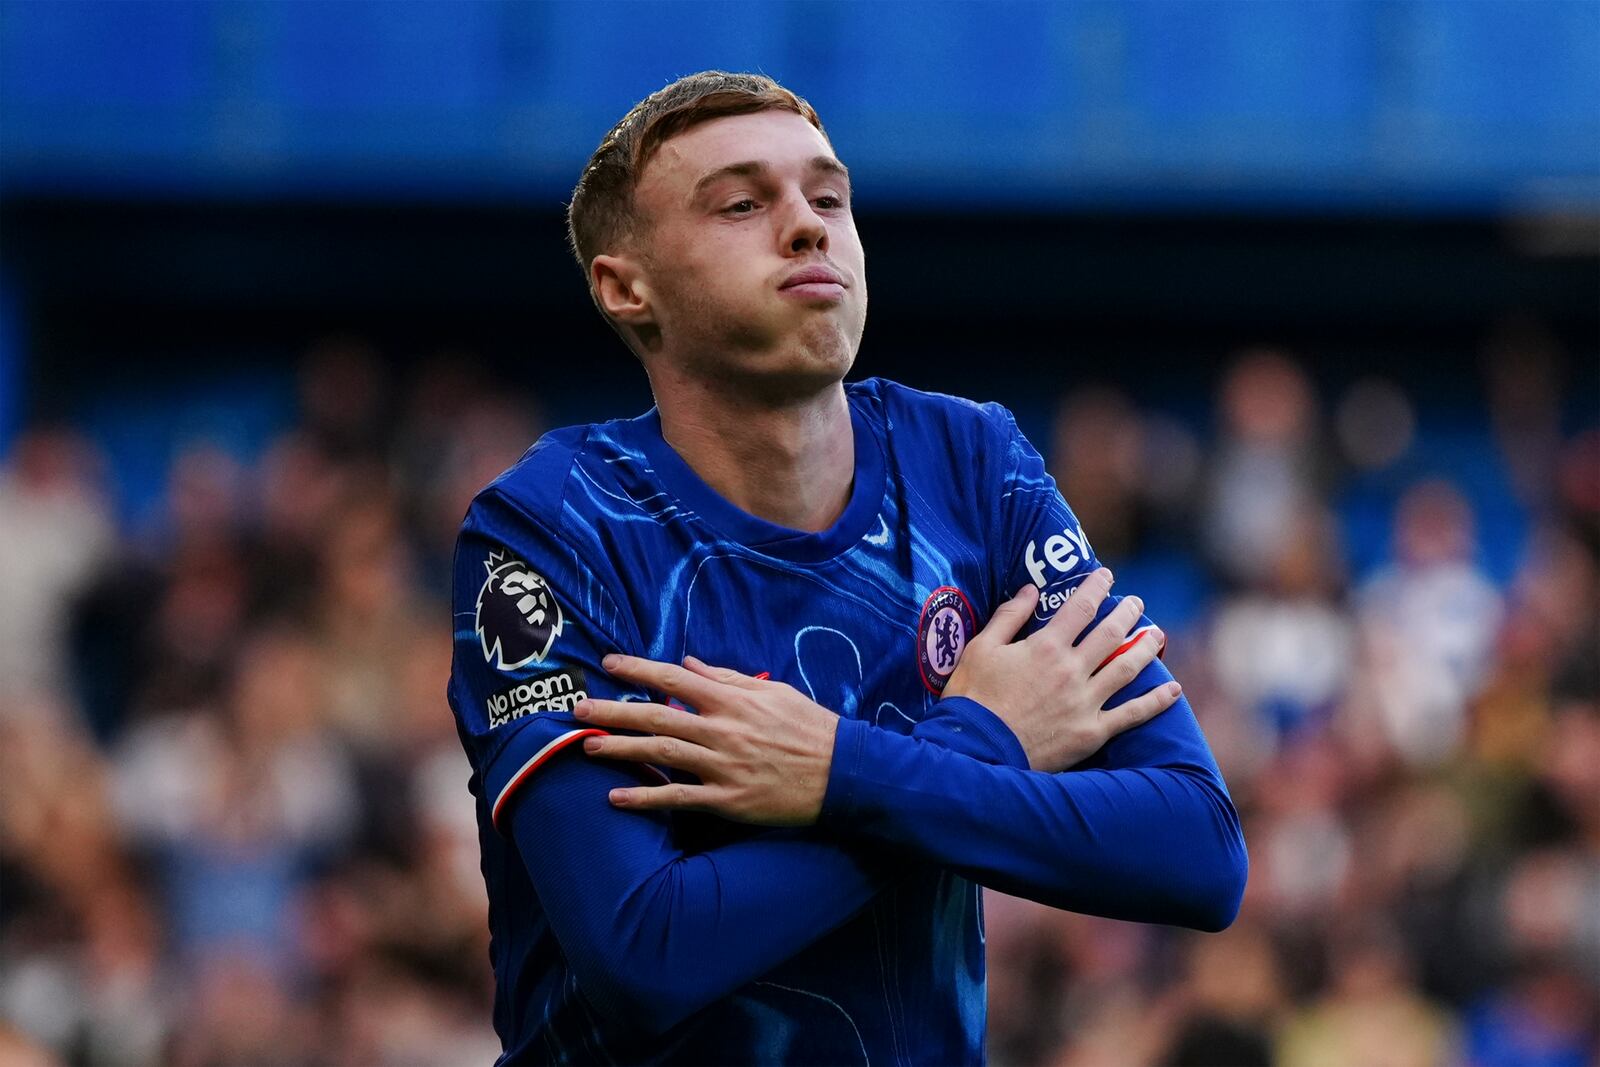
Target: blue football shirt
782, 946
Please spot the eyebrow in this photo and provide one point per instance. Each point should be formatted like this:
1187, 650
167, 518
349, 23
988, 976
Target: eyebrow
751, 168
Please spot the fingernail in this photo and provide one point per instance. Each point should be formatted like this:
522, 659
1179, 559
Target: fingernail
1174, 689
617, 797
591, 745
1159, 634
1109, 576
581, 710
610, 662
1138, 603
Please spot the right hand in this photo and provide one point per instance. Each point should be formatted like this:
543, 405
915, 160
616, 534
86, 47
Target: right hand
1052, 693
761, 749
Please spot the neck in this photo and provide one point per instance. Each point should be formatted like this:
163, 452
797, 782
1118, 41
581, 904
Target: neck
790, 462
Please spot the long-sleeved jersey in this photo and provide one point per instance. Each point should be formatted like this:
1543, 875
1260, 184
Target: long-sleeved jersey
621, 936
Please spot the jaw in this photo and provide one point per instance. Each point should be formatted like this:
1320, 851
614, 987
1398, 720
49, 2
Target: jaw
798, 344
773, 349
800, 370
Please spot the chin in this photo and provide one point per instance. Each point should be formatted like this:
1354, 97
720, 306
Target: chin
802, 369
782, 359
827, 352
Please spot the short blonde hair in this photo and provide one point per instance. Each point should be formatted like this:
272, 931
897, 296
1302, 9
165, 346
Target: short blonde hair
602, 210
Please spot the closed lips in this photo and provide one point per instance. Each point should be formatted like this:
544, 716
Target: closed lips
812, 276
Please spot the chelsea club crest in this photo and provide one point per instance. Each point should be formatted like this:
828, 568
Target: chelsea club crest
946, 625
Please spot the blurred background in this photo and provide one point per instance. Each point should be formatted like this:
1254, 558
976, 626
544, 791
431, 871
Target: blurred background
1301, 300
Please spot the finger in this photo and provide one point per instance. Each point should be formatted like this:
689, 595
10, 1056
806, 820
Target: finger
1102, 642
1122, 667
725, 675
1141, 709
668, 678
661, 751
1009, 617
1079, 611
643, 716
679, 796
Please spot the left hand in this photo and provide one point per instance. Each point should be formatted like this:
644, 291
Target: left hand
1051, 693
761, 750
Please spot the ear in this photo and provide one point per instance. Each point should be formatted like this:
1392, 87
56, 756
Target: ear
622, 290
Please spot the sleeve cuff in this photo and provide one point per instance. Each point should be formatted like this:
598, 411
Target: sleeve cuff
504, 784
963, 725
959, 724
838, 803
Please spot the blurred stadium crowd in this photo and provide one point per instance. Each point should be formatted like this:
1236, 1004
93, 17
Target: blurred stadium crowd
235, 828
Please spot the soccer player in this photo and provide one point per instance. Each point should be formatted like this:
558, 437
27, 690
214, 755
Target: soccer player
759, 687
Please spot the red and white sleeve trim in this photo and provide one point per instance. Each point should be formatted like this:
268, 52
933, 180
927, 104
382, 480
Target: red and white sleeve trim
534, 763
1132, 640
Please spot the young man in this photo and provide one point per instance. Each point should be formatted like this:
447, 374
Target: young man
768, 597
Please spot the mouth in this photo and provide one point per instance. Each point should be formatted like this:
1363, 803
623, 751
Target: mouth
814, 283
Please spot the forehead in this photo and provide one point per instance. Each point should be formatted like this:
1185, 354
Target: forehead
779, 138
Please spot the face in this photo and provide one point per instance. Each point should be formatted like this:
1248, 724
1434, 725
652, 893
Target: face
747, 268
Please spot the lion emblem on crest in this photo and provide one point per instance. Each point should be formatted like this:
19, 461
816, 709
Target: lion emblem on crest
518, 617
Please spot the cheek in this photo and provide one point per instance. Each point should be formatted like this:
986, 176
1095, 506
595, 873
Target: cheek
722, 271
846, 239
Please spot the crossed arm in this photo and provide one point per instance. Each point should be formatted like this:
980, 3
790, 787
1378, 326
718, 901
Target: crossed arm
1150, 835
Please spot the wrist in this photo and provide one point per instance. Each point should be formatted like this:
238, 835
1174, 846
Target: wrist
828, 739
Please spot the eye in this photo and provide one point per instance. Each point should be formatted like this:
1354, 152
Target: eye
742, 207
829, 203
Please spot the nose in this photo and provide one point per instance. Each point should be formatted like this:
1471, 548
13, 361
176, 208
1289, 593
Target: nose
804, 229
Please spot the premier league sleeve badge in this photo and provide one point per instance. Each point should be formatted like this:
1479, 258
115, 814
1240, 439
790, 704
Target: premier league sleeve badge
518, 617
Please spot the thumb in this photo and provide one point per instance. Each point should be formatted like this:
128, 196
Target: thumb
726, 675
1009, 617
